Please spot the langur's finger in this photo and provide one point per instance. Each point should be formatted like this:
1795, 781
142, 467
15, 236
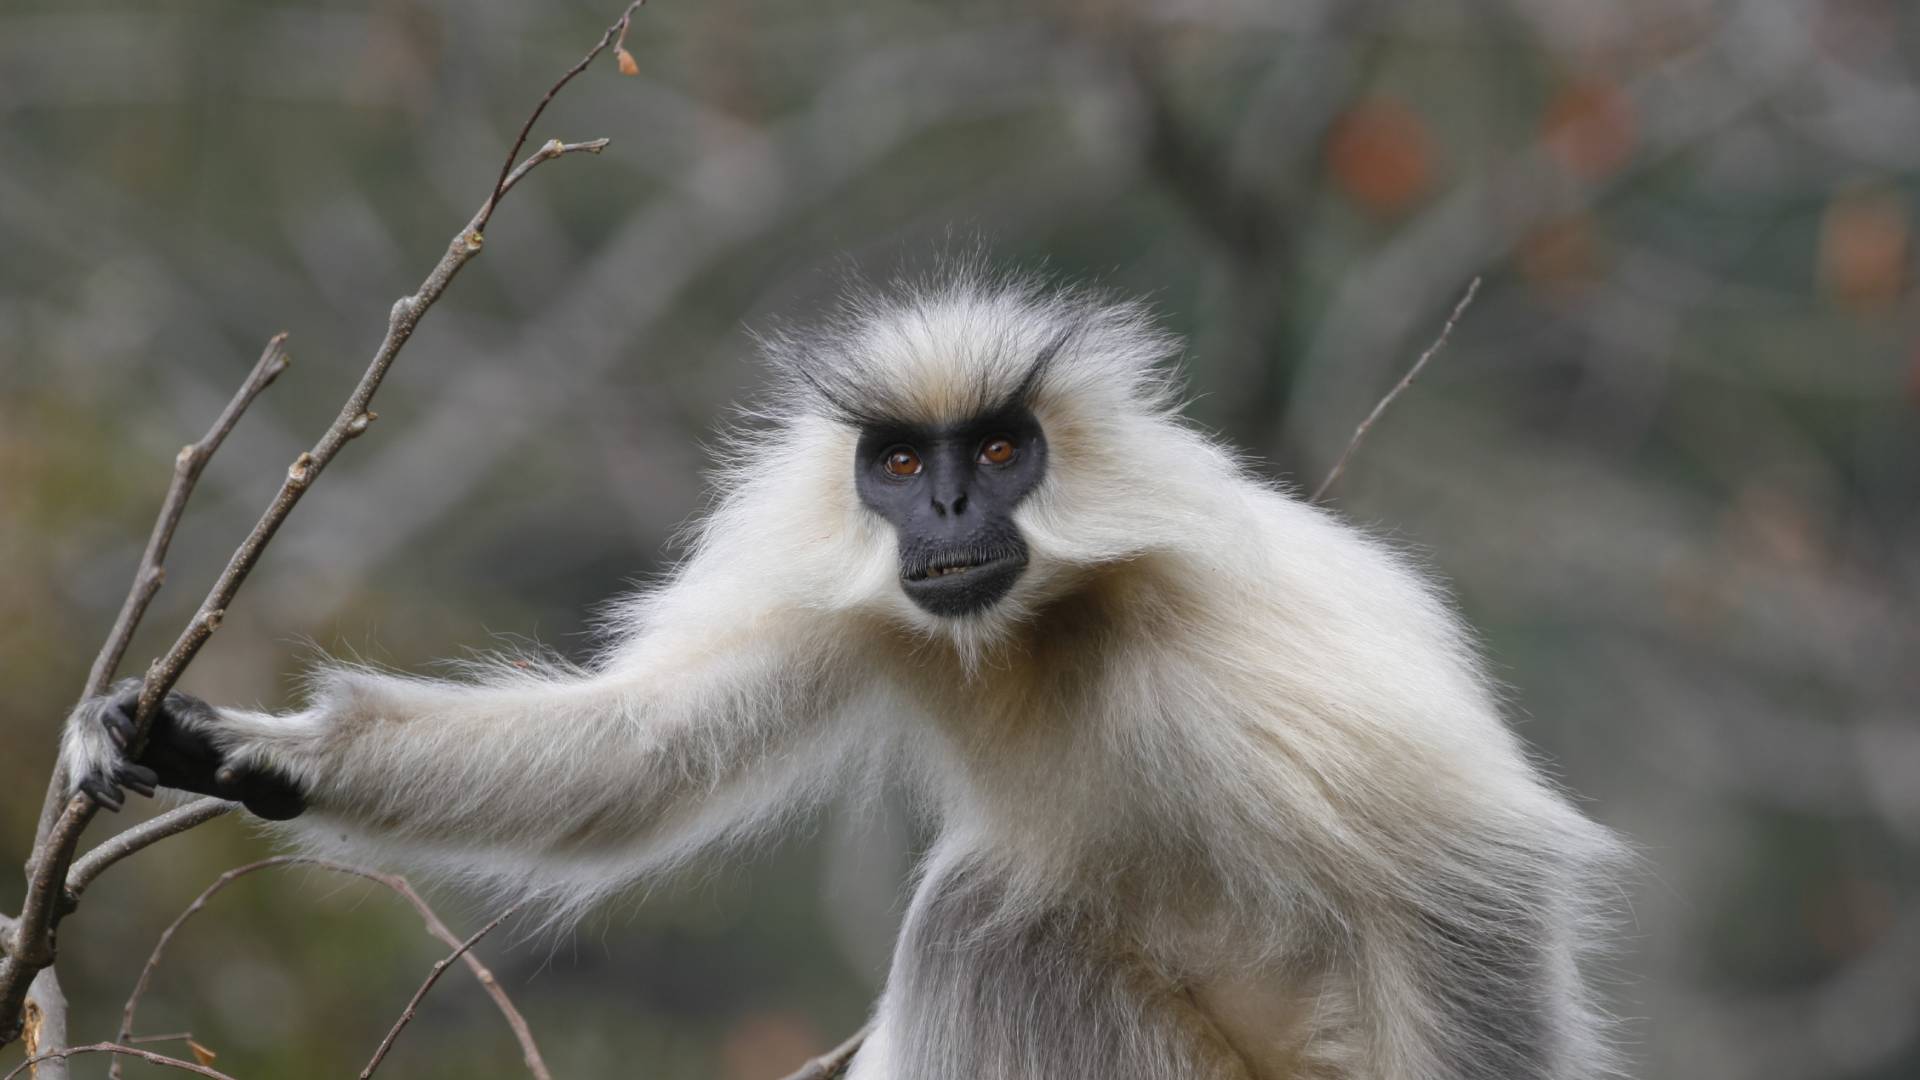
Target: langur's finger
118, 720
138, 778
102, 792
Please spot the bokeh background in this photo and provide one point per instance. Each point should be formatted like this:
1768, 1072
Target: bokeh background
1670, 462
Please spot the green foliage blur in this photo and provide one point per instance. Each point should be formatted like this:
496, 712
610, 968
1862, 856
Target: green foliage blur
1670, 462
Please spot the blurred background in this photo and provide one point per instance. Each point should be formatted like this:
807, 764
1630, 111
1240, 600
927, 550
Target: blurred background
1670, 462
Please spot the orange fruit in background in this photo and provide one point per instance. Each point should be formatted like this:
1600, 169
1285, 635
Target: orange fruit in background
1562, 254
1381, 156
1864, 237
1589, 128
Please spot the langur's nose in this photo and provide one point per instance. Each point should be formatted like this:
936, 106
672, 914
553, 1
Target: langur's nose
950, 504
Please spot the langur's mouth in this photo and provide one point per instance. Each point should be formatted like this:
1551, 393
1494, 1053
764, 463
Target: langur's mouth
957, 566
962, 582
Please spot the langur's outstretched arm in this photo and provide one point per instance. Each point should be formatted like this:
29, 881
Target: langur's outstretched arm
677, 738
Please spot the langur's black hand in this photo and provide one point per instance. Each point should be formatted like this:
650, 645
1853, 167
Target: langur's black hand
182, 752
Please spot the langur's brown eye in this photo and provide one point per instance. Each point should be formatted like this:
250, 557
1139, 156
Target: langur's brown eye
997, 451
902, 461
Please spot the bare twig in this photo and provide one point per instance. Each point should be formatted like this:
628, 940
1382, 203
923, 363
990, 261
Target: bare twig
833, 1064
30, 946
1360, 433
399, 885
529, 1051
114, 1048
144, 835
166, 936
433, 976
617, 28
187, 467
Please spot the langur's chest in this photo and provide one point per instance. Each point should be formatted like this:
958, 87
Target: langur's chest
989, 981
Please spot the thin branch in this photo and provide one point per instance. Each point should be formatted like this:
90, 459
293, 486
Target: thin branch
553, 149
1360, 433
500, 186
151, 573
530, 1052
30, 945
833, 1064
187, 467
141, 836
433, 976
114, 1048
166, 936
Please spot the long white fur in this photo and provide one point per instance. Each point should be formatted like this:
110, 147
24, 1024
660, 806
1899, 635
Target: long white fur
1221, 788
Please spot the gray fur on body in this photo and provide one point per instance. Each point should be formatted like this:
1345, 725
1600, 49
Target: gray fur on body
1220, 786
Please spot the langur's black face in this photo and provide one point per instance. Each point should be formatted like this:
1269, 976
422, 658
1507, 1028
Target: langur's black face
950, 492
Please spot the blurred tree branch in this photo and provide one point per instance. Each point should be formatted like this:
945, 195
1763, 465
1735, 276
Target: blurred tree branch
1419, 365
